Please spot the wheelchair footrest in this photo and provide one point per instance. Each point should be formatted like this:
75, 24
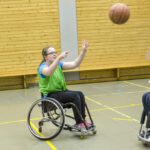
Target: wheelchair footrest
144, 137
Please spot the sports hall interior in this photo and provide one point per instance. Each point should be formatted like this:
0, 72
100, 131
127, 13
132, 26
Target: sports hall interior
115, 63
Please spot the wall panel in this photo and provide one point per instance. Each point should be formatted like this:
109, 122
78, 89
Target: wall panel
111, 45
26, 27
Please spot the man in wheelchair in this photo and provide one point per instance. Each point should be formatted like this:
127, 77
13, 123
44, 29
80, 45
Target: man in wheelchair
52, 83
144, 135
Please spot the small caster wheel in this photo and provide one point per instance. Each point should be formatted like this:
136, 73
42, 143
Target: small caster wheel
94, 132
145, 144
40, 129
82, 136
40, 123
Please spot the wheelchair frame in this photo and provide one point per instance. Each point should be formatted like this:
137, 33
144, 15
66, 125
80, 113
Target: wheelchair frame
144, 134
54, 115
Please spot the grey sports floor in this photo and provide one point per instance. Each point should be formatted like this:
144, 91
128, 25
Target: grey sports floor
115, 107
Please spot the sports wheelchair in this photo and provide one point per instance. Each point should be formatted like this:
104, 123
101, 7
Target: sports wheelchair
47, 117
144, 134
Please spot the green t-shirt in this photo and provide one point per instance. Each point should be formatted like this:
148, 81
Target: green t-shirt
54, 83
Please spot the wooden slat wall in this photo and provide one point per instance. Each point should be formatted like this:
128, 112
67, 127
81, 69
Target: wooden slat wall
26, 27
111, 45
7, 83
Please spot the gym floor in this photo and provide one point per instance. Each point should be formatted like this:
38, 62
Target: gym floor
115, 107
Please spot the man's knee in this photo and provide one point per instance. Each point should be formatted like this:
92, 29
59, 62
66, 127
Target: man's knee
144, 97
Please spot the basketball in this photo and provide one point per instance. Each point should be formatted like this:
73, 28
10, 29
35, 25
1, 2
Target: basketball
119, 13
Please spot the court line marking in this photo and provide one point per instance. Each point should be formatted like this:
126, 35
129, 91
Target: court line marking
12, 122
106, 108
49, 143
123, 119
17, 121
138, 85
115, 93
94, 110
117, 107
128, 118
112, 109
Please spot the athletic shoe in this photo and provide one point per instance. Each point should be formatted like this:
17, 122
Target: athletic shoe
88, 124
79, 126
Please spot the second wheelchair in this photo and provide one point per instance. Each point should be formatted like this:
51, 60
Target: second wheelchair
144, 132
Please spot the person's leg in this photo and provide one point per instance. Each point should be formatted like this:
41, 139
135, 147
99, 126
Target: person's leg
82, 100
69, 96
88, 124
45, 105
146, 102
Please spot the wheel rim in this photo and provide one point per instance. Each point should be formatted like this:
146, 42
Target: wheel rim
52, 123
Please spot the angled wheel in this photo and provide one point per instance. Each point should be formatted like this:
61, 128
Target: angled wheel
94, 132
46, 118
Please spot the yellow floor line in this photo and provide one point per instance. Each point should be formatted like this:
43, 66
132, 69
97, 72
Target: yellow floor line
123, 119
12, 122
117, 107
94, 110
49, 143
138, 85
112, 109
127, 106
116, 93
18, 121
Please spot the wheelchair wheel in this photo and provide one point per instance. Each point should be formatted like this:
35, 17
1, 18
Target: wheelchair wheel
46, 118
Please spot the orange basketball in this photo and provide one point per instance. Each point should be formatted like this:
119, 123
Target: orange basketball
119, 13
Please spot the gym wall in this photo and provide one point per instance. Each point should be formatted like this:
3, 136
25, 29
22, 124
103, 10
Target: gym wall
116, 52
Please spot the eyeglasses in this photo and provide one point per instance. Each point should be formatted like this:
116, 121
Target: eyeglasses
51, 53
